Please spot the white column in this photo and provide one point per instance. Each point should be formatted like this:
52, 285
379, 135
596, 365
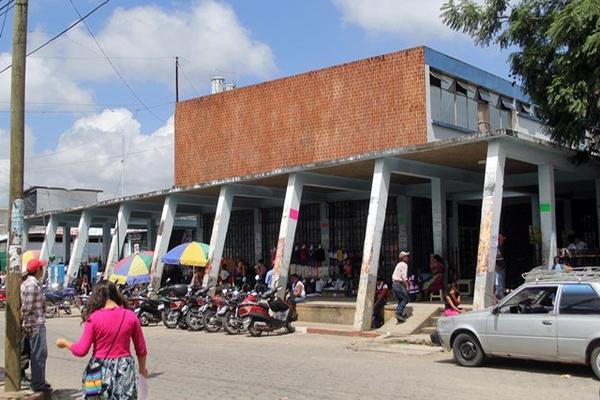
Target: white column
438, 214
163, 236
324, 225
49, 240
118, 238
597, 184
66, 241
257, 236
491, 209
106, 235
199, 228
404, 204
547, 213
372, 246
218, 236
287, 231
78, 247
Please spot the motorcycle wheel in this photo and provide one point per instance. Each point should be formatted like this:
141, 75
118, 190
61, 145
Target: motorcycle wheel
230, 323
2, 305
212, 323
194, 320
51, 311
253, 331
168, 320
290, 328
143, 319
67, 310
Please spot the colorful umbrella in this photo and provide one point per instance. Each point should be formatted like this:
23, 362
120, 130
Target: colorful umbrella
193, 254
134, 269
30, 255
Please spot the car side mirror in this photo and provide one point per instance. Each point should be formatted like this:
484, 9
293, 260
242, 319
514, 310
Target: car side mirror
495, 310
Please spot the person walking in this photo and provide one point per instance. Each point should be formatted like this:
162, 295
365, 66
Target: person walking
33, 319
110, 327
400, 285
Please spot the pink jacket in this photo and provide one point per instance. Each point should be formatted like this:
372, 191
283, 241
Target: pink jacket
100, 331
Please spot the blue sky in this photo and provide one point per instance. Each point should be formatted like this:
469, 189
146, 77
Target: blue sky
80, 113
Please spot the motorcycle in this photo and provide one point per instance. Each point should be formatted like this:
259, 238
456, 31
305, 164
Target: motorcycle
2, 298
194, 310
149, 310
268, 314
216, 307
55, 302
172, 315
231, 320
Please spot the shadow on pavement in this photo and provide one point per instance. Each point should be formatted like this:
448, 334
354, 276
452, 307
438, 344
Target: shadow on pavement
542, 367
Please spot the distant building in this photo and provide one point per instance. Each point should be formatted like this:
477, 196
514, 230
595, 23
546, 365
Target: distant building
3, 221
39, 199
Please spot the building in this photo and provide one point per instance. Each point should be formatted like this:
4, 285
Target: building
39, 199
410, 150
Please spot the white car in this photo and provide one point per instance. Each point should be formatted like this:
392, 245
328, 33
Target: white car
555, 318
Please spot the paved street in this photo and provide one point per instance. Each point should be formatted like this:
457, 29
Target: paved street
189, 365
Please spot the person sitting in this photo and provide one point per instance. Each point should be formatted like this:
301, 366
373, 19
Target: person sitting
452, 303
436, 283
298, 289
564, 262
381, 294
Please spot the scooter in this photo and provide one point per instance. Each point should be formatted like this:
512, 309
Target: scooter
268, 314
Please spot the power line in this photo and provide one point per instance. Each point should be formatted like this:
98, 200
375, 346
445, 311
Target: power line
114, 67
47, 42
188, 81
5, 16
97, 58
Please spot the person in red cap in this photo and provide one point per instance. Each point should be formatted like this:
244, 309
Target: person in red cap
34, 323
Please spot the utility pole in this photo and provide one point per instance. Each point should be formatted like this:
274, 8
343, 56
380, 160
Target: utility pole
176, 79
12, 343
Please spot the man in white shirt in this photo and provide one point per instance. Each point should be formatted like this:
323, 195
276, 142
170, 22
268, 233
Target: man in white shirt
400, 285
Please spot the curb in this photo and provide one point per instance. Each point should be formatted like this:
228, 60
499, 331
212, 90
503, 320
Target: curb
338, 332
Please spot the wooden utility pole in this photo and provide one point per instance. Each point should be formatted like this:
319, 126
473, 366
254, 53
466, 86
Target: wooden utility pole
12, 343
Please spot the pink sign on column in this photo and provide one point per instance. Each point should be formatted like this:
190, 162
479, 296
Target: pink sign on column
294, 214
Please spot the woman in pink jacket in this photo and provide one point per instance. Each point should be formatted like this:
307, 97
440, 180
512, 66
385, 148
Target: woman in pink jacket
110, 327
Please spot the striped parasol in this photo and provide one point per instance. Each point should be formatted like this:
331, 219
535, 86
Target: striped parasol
193, 254
134, 269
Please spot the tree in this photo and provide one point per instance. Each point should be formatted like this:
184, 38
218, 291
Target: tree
556, 57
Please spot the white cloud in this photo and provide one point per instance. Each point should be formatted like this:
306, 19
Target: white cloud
89, 155
206, 35
420, 19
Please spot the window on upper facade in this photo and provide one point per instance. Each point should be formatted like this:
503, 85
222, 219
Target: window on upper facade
452, 102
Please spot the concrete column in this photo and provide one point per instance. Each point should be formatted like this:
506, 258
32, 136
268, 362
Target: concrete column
404, 204
372, 247
118, 238
26, 226
491, 209
106, 235
151, 233
199, 228
547, 213
438, 214
324, 224
49, 239
66, 241
597, 184
217, 238
79, 246
287, 231
257, 236
163, 236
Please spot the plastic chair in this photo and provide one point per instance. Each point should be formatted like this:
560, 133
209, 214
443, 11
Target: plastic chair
436, 296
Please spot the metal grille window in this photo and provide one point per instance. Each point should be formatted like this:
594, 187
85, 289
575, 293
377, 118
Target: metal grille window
308, 230
239, 243
347, 227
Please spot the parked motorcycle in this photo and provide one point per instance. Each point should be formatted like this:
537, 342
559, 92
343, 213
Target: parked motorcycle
194, 310
268, 314
172, 315
2, 298
216, 307
56, 301
149, 310
231, 320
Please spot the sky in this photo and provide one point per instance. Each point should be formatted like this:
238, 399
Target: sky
93, 122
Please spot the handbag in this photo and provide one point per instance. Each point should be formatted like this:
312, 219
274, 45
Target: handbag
93, 383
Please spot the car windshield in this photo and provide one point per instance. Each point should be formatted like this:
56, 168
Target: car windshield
532, 300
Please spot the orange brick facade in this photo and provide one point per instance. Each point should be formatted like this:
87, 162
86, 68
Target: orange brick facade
324, 115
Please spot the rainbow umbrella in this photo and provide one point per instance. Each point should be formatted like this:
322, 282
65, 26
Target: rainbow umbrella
193, 254
30, 255
134, 269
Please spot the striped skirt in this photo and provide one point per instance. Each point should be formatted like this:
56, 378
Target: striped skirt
120, 378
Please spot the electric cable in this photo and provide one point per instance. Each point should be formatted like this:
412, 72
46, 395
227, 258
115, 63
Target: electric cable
114, 67
67, 29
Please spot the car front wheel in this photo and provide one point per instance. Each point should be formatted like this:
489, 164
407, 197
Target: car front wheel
467, 350
595, 361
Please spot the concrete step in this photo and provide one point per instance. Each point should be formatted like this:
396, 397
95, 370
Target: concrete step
428, 330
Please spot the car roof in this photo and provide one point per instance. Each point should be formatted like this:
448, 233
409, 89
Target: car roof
577, 275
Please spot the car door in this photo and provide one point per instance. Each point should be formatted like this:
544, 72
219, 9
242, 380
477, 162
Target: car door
525, 324
578, 320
